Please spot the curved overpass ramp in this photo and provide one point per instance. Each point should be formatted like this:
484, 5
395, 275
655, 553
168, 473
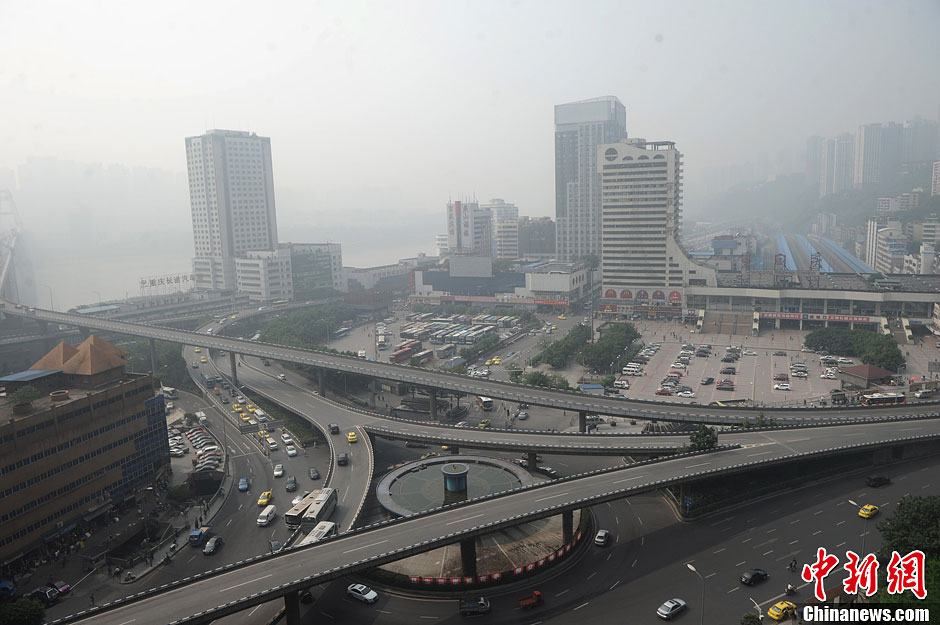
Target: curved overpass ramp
245, 584
562, 400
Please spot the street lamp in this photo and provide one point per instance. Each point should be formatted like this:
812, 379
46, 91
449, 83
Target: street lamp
51, 303
693, 569
757, 607
864, 532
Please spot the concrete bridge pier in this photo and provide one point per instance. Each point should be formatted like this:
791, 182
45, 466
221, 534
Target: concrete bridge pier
582, 421
153, 356
372, 394
231, 364
532, 459
468, 557
432, 404
43, 325
292, 608
567, 526
321, 382
454, 450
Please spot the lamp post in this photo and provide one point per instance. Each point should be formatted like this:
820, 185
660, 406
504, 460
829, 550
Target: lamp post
694, 570
51, 303
757, 607
864, 533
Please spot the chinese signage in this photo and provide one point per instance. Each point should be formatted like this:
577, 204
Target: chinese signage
818, 317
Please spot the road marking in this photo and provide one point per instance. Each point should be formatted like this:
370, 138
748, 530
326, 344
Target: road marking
925, 486
615, 584
627, 479
719, 551
733, 590
746, 540
617, 519
634, 563
467, 519
763, 453
840, 544
771, 531
383, 611
366, 546
767, 553
710, 575
909, 429
793, 542
840, 523
430, 617
130, 621
248, 582
563, 592
817, 512
609, 555
796, 521
592, 575
741, 563
817, 532
551, 497
701, 464
581, 606
229, 522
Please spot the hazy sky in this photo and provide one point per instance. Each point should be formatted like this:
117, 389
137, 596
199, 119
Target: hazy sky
382, 110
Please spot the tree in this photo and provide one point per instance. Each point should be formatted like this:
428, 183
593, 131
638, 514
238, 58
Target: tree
912, 526
22, 612
750, 618
608, 380
25, 395
703, 438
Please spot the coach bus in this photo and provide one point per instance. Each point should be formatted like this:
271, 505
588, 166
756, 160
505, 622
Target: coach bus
485, 403
320, 510
323, 530
884, 399
296, 514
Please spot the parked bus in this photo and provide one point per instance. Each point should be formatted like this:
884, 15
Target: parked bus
320, 510
323, 530
340, 333
381, 342
279, 303
170, 393
485, 403
295, 515
423, 357
884, 399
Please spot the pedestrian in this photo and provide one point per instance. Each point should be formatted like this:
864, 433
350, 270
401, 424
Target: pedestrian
92, 597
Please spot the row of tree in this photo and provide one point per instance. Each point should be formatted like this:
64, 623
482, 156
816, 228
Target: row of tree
560, 352
610, 347
872, 348
308, 329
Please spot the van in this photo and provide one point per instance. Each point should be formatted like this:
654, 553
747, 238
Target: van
272, 444
267, 515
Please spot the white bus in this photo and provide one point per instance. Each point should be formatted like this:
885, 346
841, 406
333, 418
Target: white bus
323, 530
320, 510
295, 515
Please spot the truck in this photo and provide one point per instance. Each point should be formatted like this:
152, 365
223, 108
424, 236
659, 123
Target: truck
474, 607
198, 537
202, 418
531, 601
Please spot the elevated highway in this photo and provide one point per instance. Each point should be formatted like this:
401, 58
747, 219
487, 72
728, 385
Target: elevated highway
242, 585
562, 400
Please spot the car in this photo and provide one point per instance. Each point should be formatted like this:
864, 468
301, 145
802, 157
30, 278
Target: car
663, 391
197, 350
728, 359
725, 387
298, 498
275, 546
600, 539
800, 374
195, 364
59, 585
212, 545
265, 498
224, 399
498, 360
728, 371
782, 610
363, 593
868, 511
243, 484
753, 576
279, 470
671, 609
291, 451
203, 360
291, 484
342, 460
281, 376
484, 423
462, 424
522, 416
781, 377
351, 437
47, 596
678, 365
877, 480
562, 317
749, 352
780, 353
782, 386
546, 470
430, 454
707, 381
334, 428
489, 362
176, 452
686, 394
287, 439
313, 473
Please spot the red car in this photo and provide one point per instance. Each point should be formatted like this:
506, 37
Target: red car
663, 391
678, 373
781, 377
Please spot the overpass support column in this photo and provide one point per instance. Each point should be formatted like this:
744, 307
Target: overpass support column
231, 364
372, 394
43, 325
432, 404
321, 381
292, 608
567, 526
685, 498
468, 557
454, 450
532, 460
582, 421
153, 356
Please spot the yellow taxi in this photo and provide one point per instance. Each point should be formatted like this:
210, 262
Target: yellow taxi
562, 317
485, 423
197, 350
445, 448
244, 417
498, 360
265, 498
782, 610
203, 359
262, 434
234, 316
250, 408
430, 454
554, 327
351, 437
236, 407
867, 512
489, 362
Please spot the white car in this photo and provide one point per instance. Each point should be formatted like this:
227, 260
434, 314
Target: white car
281, 376
686, 394
279, 470
291, 451
783, 386
678, 365
749, 352
362, 593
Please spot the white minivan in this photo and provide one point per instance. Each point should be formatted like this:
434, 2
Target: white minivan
267, 515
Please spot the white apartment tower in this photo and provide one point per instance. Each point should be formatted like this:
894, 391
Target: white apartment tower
231, 193
469, 229
505, 229
642, 263
579, 128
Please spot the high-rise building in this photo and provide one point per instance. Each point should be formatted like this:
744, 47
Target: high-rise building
816, 153
469, 229
919, 140
827, 161
92, 440
440, 244
935, 179
579, 128
843, 162
505, 229
315, 266
824, 224
536, 236
231, 193
642, 263
877, 153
